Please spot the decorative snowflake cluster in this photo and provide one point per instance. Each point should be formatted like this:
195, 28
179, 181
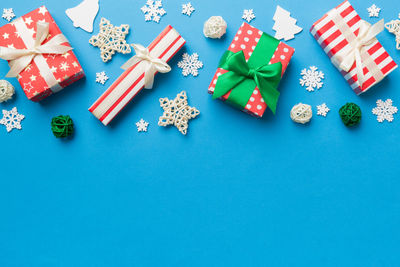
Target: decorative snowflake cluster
177, 112
190, 64
8, 14
142, 125
312, 78
101, 77
12, 119
187, 9
322, 110
384, 110
248, 15
373, 11
153, 10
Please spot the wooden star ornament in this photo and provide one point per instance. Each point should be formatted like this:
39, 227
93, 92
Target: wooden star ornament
177, 112
111, 39
394, 27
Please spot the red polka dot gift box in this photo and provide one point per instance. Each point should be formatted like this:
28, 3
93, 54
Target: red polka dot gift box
39, 55
250, 70
351, 44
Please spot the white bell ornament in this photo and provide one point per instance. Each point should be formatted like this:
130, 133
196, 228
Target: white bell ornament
83, 15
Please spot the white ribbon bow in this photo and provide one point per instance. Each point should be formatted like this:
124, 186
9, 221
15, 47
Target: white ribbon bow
366, 36
152, 64
19, 59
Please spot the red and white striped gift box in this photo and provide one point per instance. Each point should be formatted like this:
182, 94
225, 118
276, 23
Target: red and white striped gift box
131, 82
331, 38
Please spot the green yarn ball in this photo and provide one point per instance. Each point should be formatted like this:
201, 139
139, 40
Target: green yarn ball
350, 114
62, 126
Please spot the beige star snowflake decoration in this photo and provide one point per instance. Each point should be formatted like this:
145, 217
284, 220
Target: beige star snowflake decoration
177, 112
111, 39
394, 27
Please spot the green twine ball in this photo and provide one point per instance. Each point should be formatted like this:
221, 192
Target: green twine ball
350, 114
62, 126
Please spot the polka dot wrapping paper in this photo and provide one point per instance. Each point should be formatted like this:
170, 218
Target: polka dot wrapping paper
246, 39
61, 70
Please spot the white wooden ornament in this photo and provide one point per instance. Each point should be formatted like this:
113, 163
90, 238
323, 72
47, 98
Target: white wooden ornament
83, 15
285, 26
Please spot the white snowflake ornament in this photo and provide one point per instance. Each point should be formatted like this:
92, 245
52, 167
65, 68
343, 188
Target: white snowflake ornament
142, 125
312, 78
322, 110
384, 110
190, 64
101, 77
153, 10
8, 14
248, 15
12, 119
373, 11
111, 39
187, 9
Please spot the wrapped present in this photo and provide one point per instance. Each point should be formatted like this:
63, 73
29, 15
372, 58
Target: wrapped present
39, 55
351, 44
139, 73
250, 71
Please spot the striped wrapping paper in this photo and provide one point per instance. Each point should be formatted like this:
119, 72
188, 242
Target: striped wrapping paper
131, 82
332, 40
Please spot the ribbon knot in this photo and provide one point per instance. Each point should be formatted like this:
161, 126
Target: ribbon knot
347, 57
151, 67
242, 79
251, 74
19, 59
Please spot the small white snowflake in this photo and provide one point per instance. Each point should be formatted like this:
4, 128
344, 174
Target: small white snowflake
11, 119
101, 77
142, 125
373, 11
187, 9
153, 10
64, 66
312, 78
8, 14
248, 15
384, 110
322, 110
190, 64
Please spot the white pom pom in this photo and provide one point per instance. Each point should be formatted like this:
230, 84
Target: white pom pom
6, 90
215, 27
301, 113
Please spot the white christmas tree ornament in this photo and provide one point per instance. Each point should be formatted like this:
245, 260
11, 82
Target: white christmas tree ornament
285, 26
83, 15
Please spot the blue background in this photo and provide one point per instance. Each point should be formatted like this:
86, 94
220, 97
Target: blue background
236, 191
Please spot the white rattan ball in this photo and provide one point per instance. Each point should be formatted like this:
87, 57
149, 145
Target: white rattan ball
215, 27
301, 113
6, 90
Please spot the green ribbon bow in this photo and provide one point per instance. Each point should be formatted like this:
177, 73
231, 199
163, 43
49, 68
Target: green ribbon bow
242, 77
